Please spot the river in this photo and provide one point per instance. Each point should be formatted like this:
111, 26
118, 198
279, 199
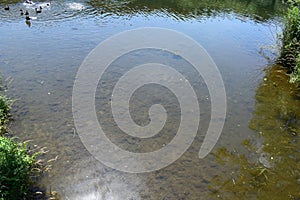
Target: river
257, 155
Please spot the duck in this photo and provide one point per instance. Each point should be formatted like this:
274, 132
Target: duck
28, 23
38, 11
26, 12
22, 13
28, 18
6, 8
29, 2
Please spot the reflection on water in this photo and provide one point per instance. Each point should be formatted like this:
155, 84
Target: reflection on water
43, 61
127, 9
184, 10
270, 169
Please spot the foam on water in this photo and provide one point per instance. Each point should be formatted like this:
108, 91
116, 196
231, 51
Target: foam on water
75, 6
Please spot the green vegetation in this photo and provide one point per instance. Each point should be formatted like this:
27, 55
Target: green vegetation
4, 113
290, 52
15, 168
295, 76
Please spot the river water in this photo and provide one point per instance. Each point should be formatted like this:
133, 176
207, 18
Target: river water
257, 155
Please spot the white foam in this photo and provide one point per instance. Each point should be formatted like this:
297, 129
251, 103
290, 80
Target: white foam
75, 6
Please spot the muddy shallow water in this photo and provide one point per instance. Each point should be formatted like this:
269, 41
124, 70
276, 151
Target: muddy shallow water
258, 151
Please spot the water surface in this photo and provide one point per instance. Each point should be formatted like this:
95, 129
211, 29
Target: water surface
262, 119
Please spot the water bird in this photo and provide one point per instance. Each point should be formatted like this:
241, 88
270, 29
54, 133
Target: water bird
29, 2
28, 18
22, 13
6, 8
38, 11
26, 12
28, 23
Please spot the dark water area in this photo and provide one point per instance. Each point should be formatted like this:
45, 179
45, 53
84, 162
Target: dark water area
257, 155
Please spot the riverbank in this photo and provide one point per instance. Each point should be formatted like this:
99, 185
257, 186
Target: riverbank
19, 165
290, 51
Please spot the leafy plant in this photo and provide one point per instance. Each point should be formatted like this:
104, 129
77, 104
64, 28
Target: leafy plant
15, 167
290, 52
4, 113
293, 2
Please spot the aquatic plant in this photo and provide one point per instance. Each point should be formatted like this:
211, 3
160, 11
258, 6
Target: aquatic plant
268, 167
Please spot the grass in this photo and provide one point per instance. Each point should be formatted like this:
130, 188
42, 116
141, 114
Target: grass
290, 51
15, 168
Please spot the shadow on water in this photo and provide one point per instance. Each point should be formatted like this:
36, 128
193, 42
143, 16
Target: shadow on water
269, 169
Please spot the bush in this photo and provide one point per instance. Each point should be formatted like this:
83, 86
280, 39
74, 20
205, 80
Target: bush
290, 52
15, 167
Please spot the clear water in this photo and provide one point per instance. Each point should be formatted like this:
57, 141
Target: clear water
257, 156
